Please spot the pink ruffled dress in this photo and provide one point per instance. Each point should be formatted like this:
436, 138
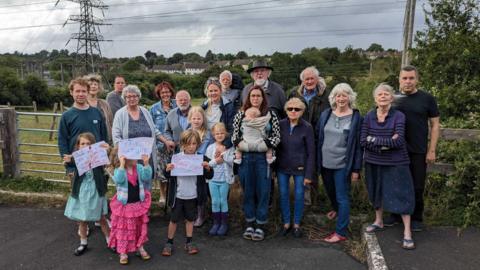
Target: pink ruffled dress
129, 223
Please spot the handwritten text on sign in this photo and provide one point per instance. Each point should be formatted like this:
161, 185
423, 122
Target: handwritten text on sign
187, 165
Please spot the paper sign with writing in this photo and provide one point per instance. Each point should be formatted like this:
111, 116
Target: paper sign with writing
187, 165
90, 157
135, 148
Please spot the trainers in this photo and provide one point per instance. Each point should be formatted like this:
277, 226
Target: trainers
297, 233
417, 226
390, 221
248, 233
191, 248
167, 250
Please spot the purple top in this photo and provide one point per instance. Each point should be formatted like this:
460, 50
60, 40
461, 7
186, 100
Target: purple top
376, 139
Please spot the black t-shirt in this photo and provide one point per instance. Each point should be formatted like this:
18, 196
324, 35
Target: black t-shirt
418, 108
133, 193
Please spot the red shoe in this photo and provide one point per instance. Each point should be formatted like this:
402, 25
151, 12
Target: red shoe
334, 238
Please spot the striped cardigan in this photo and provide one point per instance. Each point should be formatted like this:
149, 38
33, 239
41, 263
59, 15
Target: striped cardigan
121, 182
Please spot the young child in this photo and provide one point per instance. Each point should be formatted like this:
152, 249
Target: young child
87, 201
185, 193
130, 206
221, 160
253, 134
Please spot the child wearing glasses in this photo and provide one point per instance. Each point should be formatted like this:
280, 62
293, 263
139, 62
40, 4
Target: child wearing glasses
253, 136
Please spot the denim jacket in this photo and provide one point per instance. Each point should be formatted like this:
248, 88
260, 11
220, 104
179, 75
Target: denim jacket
121, 182
159, 116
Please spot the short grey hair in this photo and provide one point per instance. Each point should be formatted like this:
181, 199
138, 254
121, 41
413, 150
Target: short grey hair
383, 86
312, 69
131, 88
226, 73
342, 88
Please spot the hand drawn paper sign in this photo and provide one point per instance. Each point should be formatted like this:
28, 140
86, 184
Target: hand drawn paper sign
90, 157
187, 165
135, 148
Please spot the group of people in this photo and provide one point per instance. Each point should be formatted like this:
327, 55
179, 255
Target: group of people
259, 134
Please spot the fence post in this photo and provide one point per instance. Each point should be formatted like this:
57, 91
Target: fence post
54, 121
9, 138
34, 105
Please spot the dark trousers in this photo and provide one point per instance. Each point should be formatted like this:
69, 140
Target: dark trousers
418, 169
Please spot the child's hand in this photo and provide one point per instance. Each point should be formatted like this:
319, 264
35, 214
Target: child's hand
169, 167
67, 159
219, 159
205, 165
105, 145
122, 161
145, 159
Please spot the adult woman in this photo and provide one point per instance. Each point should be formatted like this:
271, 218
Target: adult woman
95, 82
254, 170
389, 183
163, 91
198, 122
228, 90
296, 157
217, 108
133, 121
339, 155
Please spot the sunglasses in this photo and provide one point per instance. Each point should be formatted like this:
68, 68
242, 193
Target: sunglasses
294, 109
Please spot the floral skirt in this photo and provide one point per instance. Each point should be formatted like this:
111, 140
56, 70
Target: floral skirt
129, 224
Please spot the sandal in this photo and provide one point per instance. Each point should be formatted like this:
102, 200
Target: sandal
408, 244
80, 250
191, 248
334, 238
248, 233
167, 250
123, 259
258, 235
142, 253
373, 228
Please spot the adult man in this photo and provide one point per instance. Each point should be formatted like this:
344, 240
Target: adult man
114, 98
312, 91
177, 121
260, 72
80, 118
420, 109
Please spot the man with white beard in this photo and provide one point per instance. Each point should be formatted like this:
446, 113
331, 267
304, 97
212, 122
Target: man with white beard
260, 72
177, 121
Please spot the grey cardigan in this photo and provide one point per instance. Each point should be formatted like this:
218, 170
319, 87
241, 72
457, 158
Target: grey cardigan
172, 126
120, 130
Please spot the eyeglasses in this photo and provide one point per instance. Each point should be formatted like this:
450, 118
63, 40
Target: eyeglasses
131, 97
294, 109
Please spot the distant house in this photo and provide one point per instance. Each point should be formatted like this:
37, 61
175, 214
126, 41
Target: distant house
242, 62
194, 68
169, 69
222, 63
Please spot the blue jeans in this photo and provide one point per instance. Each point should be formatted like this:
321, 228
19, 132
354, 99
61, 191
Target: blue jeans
255, 181
336, 179
284, 189
219, 194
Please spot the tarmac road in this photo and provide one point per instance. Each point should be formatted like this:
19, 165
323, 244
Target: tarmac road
44, 239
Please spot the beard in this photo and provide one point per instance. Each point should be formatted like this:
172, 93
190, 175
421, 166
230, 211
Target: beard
260, 82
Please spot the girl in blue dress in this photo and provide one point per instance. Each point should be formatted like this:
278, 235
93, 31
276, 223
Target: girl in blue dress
87, 201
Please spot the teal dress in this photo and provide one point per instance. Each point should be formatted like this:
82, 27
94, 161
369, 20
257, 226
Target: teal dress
89, 206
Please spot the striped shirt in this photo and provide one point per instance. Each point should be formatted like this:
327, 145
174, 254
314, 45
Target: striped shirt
376, 139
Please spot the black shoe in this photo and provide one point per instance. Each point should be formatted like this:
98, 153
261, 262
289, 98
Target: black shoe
417, 226
297, 233
284, 231
80, 250
390, 221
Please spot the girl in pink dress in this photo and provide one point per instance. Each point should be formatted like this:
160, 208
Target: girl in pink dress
130, 206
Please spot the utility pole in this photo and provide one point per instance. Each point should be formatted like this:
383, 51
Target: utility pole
408, 31
89, 37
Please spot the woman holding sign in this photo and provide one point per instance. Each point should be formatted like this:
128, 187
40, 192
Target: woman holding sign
254, 171
134, 121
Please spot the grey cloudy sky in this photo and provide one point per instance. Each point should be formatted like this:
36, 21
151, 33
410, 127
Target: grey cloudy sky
228, 26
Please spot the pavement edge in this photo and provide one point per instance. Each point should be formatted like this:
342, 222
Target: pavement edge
375, 258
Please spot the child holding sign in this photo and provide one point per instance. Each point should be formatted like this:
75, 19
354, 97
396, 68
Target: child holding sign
130, 206
87, 201
221, 160
186, 191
